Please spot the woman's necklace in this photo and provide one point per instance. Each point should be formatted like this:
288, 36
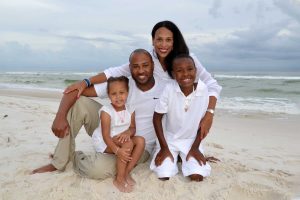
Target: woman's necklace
188, 100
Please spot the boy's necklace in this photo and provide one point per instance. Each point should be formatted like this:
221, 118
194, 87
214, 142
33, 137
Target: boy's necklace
188, 100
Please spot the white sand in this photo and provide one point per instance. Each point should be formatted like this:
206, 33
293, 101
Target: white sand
259, 153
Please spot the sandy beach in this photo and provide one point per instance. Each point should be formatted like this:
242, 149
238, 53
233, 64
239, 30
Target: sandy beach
259, 153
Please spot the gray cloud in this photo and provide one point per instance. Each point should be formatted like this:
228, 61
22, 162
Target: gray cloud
289, 7
76, 55
255, 48
214, 10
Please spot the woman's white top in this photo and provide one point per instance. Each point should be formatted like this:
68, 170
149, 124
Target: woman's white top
214, 89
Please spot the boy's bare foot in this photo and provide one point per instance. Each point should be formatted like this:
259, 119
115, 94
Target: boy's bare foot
164, 179
123, 186
196, 177
43, 169
130, 180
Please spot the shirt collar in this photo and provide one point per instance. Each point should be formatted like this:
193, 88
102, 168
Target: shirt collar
199, 91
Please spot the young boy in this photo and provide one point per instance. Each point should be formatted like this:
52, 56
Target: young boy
184, 103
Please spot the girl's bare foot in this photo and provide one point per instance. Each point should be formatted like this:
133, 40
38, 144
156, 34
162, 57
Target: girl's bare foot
130, 180
123, 186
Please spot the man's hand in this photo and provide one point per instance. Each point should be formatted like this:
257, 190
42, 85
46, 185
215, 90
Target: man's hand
205, 124
80, 86
60, 126
197, 155
162, 155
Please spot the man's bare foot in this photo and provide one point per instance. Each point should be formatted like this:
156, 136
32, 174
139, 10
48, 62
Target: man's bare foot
130, 180
43, 169
123, 186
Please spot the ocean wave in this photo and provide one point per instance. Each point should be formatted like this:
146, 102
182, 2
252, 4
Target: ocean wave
221, 76
70, 81
256, 104
22, 86
51, 73
291, 81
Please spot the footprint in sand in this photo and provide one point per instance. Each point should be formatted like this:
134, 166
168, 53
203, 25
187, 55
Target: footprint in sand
218, 146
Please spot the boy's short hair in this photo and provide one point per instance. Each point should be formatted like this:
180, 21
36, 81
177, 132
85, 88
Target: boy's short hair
184, 55
112, 79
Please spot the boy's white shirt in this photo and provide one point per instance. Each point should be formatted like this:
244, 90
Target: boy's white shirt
143, 103
181, 124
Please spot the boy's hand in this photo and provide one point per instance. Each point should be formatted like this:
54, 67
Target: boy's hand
124, 155
123, 137
197, 155
162, 155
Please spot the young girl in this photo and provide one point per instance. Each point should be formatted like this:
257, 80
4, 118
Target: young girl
115, 134
184, 103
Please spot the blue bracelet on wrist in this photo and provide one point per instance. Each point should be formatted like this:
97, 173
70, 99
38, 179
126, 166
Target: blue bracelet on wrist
87, 82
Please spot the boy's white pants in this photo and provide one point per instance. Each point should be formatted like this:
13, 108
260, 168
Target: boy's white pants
180, 147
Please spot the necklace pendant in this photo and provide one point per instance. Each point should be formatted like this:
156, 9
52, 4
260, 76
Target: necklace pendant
186, 109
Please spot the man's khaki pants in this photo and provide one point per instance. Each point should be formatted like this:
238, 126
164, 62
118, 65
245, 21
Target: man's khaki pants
98, 166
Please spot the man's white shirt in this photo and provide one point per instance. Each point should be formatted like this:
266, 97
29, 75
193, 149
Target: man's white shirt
144, 104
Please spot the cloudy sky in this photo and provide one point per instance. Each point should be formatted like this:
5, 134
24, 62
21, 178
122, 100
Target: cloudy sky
91, 35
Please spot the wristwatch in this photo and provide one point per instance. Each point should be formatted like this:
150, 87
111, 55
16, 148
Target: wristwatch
212, 111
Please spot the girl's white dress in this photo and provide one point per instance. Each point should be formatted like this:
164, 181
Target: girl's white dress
120, 122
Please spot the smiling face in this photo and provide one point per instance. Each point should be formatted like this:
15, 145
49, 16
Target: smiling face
184, 72
141, 68
118, 93
163, 42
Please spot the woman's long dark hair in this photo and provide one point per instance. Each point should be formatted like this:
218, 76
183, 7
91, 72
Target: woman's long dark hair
179, 45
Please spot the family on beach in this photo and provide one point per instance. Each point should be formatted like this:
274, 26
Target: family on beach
161, 107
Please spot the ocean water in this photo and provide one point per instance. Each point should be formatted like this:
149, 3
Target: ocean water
246, 92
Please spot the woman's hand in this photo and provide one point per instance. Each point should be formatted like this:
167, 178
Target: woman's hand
205, 124
80, 86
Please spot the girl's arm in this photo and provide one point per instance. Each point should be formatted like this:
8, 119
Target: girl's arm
164, 148
105, 121
130, 132
123, 154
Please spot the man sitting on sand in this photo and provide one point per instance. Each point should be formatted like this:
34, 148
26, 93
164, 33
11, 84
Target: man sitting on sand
144, 92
